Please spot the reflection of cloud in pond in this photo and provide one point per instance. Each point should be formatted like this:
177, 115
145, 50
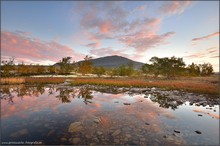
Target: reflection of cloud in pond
207, 113
28, 105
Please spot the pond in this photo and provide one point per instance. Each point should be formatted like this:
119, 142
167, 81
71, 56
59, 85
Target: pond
84, 115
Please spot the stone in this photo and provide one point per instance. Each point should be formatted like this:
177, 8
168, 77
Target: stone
117, 132
147, 123
198, 132
177, 131
76, 140
87, 136
96, 120
117, 141
128, 135
127, 104
75, 127
96, 140
63, 139
99, 133
19, 133
50, 132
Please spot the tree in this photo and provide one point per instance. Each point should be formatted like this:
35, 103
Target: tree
86, 66
193, 69
99, 71
206, 69
8, 67
130, 69
65, 65
169, 67
52, 69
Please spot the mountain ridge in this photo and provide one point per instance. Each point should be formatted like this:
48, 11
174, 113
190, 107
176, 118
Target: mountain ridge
113, 62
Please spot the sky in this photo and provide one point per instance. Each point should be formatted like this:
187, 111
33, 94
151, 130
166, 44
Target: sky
43, 32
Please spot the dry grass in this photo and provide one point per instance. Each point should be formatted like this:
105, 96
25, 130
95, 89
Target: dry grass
31, 80
12, 80
200, 85
193, 86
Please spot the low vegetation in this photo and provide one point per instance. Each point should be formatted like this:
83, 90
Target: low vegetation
199, 85
169, 73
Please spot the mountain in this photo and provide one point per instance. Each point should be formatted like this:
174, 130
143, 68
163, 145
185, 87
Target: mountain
114, 61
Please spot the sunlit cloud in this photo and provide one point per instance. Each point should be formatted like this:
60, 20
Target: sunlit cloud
206, 37
93, 45
114, 22
174, 7
34, 49
142, 41
211, 52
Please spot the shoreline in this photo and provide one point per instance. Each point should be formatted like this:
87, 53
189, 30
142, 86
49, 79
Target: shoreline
188, 85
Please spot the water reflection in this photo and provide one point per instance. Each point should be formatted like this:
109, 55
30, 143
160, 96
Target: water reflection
86, 94
66, 94
102, 118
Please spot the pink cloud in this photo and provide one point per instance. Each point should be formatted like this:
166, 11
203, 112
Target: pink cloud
206, 37
93, 45
174, 7
113, 22
35, 50
142, 41
210, 52
105, 27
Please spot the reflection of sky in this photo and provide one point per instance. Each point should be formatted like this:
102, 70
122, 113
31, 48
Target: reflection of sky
46, 108
190, 122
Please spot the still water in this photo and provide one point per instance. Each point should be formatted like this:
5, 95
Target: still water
52, 114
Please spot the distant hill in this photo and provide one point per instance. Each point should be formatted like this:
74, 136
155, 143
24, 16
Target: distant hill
114, 61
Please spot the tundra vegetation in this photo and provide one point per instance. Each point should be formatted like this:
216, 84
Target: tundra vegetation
169, 73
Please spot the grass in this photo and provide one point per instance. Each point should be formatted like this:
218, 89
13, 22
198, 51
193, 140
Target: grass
198, 85
21, 80
187, 85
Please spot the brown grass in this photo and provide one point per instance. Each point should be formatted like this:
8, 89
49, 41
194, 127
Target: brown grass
32, 80
192, 85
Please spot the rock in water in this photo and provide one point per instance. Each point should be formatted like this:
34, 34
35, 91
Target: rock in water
99, 133
76, 140
177, 131
97, 120
20, 133
147, 123
198, 132
75, 127
116, 132
127, 104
